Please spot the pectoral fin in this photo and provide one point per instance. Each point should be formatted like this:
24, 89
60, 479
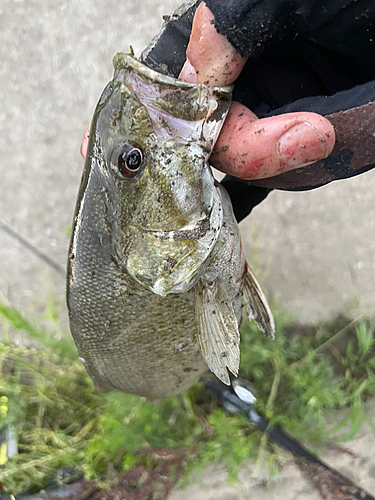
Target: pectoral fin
256, 305
217, 326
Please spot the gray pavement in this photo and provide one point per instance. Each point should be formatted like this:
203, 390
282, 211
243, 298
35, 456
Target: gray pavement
316, 248
354, 460
55, 61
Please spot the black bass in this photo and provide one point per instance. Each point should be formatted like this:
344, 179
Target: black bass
156, 274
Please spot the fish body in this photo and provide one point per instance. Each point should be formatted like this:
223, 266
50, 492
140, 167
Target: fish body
156, 273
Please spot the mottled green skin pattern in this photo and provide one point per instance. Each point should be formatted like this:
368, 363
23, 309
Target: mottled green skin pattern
130, 338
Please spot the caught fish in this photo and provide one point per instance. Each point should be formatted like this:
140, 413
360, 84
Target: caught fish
156, 275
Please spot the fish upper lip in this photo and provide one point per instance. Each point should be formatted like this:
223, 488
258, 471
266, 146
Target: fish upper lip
130, 63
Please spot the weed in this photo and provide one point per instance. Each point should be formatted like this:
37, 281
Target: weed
62, 422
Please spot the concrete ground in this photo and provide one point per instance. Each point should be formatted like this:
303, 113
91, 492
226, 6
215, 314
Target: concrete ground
354, 460
316, 248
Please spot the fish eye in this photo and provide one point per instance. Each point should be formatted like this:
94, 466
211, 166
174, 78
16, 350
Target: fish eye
129, 160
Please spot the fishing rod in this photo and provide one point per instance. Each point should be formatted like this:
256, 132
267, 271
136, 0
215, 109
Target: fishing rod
242, 400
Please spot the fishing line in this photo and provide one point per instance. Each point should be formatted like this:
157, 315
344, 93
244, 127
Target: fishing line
7, 229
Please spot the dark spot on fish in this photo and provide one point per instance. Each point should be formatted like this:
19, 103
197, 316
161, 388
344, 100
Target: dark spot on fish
181, 347
114, 260
169, 264
102, 335
80, 313
116, 117
71, 256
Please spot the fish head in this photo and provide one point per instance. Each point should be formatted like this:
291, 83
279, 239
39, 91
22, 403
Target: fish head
150, 139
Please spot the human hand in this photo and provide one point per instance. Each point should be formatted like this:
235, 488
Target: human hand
289, 71
248, 147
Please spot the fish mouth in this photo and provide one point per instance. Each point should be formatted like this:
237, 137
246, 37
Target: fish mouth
176, 108
131, 64
198, 230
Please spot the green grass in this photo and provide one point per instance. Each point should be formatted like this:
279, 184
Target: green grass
61, 421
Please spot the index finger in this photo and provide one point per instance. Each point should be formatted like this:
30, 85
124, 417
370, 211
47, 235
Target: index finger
210, 58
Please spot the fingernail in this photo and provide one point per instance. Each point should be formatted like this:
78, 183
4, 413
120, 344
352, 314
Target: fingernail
301, 145
85, 142
188, 73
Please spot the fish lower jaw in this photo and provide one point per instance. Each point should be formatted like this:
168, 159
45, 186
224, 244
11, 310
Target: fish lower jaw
164, 287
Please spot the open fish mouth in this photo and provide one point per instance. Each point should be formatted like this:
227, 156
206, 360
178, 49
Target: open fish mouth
176, 108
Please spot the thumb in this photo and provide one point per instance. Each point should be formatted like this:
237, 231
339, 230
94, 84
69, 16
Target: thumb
253, 148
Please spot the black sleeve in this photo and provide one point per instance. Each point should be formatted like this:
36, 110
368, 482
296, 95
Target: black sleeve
340, 25
304, 55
